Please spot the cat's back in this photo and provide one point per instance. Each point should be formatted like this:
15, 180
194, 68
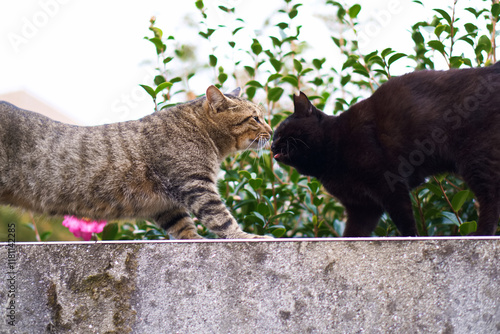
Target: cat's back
21, 130
436, 90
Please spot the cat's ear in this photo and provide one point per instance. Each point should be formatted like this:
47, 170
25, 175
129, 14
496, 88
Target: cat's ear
236, 92
302, 105
215, 96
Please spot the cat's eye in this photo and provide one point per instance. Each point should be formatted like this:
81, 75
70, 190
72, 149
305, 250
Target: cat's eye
257, 119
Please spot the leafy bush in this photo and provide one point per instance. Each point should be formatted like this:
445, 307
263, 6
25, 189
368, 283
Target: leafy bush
269, 198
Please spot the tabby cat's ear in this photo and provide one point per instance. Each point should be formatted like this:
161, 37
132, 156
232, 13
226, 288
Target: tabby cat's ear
302, 105
236, 92
215, 98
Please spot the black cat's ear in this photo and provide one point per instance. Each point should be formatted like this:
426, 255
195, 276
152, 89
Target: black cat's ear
236, 92
302, 105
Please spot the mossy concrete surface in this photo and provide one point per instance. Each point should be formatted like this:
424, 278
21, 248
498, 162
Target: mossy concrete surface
389, 285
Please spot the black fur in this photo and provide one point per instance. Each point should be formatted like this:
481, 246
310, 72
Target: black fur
413, 126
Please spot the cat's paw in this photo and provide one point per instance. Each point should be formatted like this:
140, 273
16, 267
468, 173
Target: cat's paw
244, 235
262, 237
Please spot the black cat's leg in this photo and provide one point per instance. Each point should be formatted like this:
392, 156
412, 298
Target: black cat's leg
482, 180
178, 223
489, 213
361, 220
398, 206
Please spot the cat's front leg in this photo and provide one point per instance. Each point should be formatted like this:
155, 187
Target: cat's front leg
361, 220
399, 208
178, 223
205, 203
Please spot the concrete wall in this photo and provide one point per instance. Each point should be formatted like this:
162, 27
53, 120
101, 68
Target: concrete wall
373, 285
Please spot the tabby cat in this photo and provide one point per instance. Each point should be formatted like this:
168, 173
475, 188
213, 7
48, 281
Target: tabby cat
160, 167
413, 126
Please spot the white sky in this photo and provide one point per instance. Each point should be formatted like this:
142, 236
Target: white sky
87, 58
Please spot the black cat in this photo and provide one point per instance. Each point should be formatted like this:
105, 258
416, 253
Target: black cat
413, 126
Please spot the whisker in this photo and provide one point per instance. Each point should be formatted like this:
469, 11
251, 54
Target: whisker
253, 141
301, 141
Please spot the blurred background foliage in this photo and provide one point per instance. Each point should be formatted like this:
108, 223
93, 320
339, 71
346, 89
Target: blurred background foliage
274, 62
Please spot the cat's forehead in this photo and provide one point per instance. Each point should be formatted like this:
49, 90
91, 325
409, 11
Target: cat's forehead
240, 104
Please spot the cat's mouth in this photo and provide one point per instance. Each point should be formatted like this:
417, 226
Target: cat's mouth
281, 156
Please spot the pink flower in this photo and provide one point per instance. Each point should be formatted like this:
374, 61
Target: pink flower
83, 227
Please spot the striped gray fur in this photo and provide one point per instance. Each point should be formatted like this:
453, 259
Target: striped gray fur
162, 167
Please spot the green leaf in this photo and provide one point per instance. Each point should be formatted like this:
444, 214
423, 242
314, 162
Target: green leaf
212, 60
395, 57
227, 10
305, 71
254, 83
468, 227
439, 29
318, 63
386, 52
110, 231
291, 79
470, 27
245, 174
314, 186
354, 11
150, 91
277, 230
167, 60
445, 15
297, 65
437, 45
483, 44
256, 47
345, 80
434, 189
255, 183
360, 69
159, 79
495, 10
459, 199
207, 34
282, 25
251, 92
276, 64
317, 201
160, 46
274, 94
45, 235
250, 70
199, 4
222, 78
273, 77
162, 86
263, 209
417, 37
450, 217
351, 60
